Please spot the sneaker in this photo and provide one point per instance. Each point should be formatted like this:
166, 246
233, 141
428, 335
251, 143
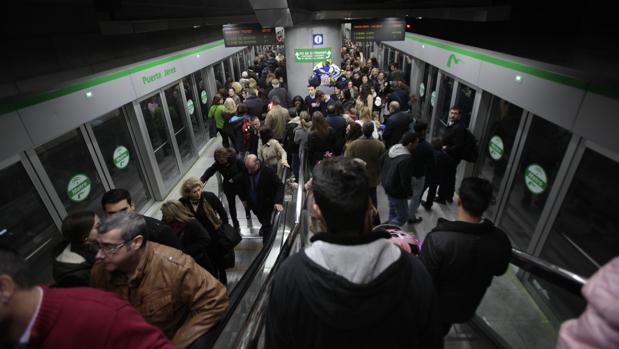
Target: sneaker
414, 221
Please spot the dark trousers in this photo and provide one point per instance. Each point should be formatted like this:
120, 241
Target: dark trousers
296, 164
225, 138
374, 197
264, 217
448, 180
431, 187
231, 195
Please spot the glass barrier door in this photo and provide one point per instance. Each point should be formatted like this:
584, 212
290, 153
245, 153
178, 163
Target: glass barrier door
26, 221
443, 103
465, 98
194, 108
429, 92
113, 139
497, 143
542, 153
180, 125
159, 134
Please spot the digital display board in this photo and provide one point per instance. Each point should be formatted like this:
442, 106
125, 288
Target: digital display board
386, 29
236, 35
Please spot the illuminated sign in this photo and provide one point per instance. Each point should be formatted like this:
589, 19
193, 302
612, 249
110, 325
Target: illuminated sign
387, 29
236, 35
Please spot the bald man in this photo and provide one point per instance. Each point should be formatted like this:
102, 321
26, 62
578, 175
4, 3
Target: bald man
262, 192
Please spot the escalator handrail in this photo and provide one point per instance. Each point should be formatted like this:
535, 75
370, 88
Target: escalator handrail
549, 272
241, 287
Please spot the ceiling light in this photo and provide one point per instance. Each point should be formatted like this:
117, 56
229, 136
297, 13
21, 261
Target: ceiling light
518, 79
88, 94
419, 17
198, 55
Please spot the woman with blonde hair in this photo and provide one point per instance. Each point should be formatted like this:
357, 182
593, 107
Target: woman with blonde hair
227, 135
208, 210
365, 115
192, 236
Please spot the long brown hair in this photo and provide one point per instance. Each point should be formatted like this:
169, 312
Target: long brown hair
319, 124
177, 211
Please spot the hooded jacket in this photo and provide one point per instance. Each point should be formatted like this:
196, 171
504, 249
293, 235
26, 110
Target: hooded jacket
462, 259
352, 292
396, 172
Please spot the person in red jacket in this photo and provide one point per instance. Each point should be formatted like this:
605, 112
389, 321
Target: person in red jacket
36, 317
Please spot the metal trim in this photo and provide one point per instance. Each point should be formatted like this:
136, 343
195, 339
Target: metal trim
171, 136
40, 189
187, 120
88, 132
152, 170
437, 88
126, 111
512, 164
198, 104
38, 168
93, 157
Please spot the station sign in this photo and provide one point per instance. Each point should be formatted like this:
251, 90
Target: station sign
312, 55
386, 29
236, 35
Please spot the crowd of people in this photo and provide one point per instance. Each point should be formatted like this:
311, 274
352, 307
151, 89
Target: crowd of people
166, 279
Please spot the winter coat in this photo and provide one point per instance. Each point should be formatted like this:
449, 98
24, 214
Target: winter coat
352, 292
71, 266
462, 259
396, 171
171, 291
370, 151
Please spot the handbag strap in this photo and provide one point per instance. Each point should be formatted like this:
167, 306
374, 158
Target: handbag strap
211, 214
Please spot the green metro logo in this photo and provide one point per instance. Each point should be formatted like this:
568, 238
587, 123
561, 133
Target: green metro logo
452, 58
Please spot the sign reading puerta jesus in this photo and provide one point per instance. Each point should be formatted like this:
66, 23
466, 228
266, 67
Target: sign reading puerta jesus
236, 35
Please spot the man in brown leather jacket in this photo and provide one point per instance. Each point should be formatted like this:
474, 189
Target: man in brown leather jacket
165, 285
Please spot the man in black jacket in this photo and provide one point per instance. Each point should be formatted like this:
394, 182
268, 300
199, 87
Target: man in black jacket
454, 144
119, 200
352, 288
423, 162
261, 191
255, 105
463, 256
396, 125
396, 172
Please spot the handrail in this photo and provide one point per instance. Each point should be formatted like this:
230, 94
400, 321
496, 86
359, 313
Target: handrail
254, 322
556, 275
241, 287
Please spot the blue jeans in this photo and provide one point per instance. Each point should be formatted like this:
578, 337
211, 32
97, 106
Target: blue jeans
398, 210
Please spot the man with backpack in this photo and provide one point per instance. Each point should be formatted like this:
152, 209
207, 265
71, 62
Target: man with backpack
459, 144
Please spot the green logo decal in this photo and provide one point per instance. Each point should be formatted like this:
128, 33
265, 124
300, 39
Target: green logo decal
496, 148
452, 58
422, 90
311, 55
203, 97
121, 157
78, 188
433, 98
190, 106
535, 179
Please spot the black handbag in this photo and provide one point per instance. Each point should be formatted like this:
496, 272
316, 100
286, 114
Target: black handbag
228, 237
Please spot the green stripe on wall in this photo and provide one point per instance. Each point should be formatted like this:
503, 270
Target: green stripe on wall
558, 78
5, 108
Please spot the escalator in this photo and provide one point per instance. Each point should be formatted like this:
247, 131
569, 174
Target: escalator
243, 325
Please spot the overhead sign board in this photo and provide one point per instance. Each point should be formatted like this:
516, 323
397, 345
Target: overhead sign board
386, 29
236, 35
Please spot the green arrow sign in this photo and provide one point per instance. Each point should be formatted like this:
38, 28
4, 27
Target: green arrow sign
452, 58
311, 55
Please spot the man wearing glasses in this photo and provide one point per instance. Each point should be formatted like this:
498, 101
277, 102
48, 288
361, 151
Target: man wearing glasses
165, 285
119, 200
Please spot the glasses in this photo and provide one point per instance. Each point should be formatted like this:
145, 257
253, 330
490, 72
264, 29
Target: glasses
109, 249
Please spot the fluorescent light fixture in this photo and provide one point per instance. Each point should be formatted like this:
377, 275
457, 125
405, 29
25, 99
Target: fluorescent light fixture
423, 46
88, 94
196, 26
198, 55
419, 17
518, 79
